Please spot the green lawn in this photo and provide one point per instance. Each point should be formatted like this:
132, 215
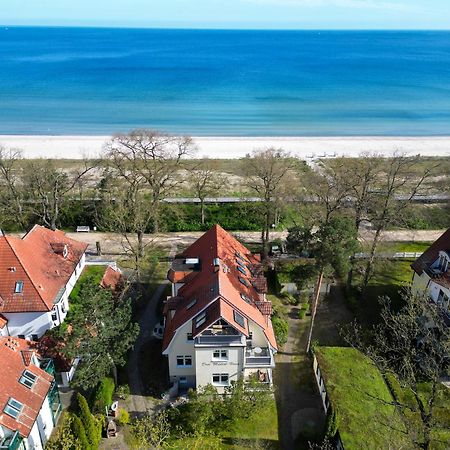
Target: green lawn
359, 396
387, 280
94, 272
258, 432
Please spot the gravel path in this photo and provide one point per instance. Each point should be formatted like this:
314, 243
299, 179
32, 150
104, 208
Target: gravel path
138, 403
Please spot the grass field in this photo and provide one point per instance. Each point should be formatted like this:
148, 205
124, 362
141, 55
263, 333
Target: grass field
360, 396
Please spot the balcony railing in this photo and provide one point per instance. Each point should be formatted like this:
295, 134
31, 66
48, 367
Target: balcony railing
219, 339
12, 442
48, 365
258, 357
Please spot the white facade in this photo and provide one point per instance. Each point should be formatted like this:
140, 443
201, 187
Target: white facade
33, 325
218, 360
438, 293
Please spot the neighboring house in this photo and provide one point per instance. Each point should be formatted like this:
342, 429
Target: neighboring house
432, 273
29, 398
37, 274
217, 322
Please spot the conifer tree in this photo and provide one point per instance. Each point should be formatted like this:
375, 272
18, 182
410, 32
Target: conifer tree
91, 427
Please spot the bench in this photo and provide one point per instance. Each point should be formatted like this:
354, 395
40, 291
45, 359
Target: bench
83, 229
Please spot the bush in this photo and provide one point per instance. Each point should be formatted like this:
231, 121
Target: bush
91, 426
301, 314
123, 417
79, 434
103, 395
123, 391
281, 328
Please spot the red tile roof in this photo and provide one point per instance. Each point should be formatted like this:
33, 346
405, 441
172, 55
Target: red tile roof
15, 357
423, 263
111, 278
221, 284
38, 261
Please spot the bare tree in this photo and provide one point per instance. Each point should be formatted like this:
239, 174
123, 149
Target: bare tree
205, 181
266, 171
48, 186
126, 210
12, 196
413, 344
397, 186
329, 186
155, 156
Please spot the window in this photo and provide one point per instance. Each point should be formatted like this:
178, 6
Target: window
240, 263
184, 361
182, 380
13, 408
191, 304
54, 316
28, 379
243, 281
238, 255
189, 336
220, 354
19, 287
34, 337
239, 319
21, 336
242, 270
244, 297
200, 319
220, 379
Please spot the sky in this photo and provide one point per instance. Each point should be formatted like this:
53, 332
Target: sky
281, 14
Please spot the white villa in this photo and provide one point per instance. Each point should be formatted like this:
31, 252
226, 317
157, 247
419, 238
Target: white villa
218, 322
29, 398
37, 274
432, 273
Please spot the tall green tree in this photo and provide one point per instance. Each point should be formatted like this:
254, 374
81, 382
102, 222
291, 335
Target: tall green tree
99, 330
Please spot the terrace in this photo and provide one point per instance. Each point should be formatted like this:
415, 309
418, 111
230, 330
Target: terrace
259, 357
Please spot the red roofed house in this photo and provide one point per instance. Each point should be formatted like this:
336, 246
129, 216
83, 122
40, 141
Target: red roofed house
217, 322
29, 399
432, 273
37, 274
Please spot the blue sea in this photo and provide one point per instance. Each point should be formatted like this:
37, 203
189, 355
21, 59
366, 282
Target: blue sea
91, 81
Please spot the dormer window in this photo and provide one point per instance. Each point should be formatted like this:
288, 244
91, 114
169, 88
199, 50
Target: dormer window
65, 251
18, 288
13, 408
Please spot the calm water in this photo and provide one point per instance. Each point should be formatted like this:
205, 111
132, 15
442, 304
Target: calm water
274, 83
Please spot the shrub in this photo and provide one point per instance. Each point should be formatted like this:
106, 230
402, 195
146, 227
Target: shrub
301, 314
123, 391
92, 427
79, 433
103, 395
281, 328
123, 417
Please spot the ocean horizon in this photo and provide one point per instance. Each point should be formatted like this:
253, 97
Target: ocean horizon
98, 81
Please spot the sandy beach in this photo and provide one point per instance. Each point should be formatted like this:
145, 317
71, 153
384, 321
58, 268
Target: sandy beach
77, 147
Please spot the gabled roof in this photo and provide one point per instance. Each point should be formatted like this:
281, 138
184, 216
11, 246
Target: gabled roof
432, 253
425, 261
40, 262
225, 277
16, 356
